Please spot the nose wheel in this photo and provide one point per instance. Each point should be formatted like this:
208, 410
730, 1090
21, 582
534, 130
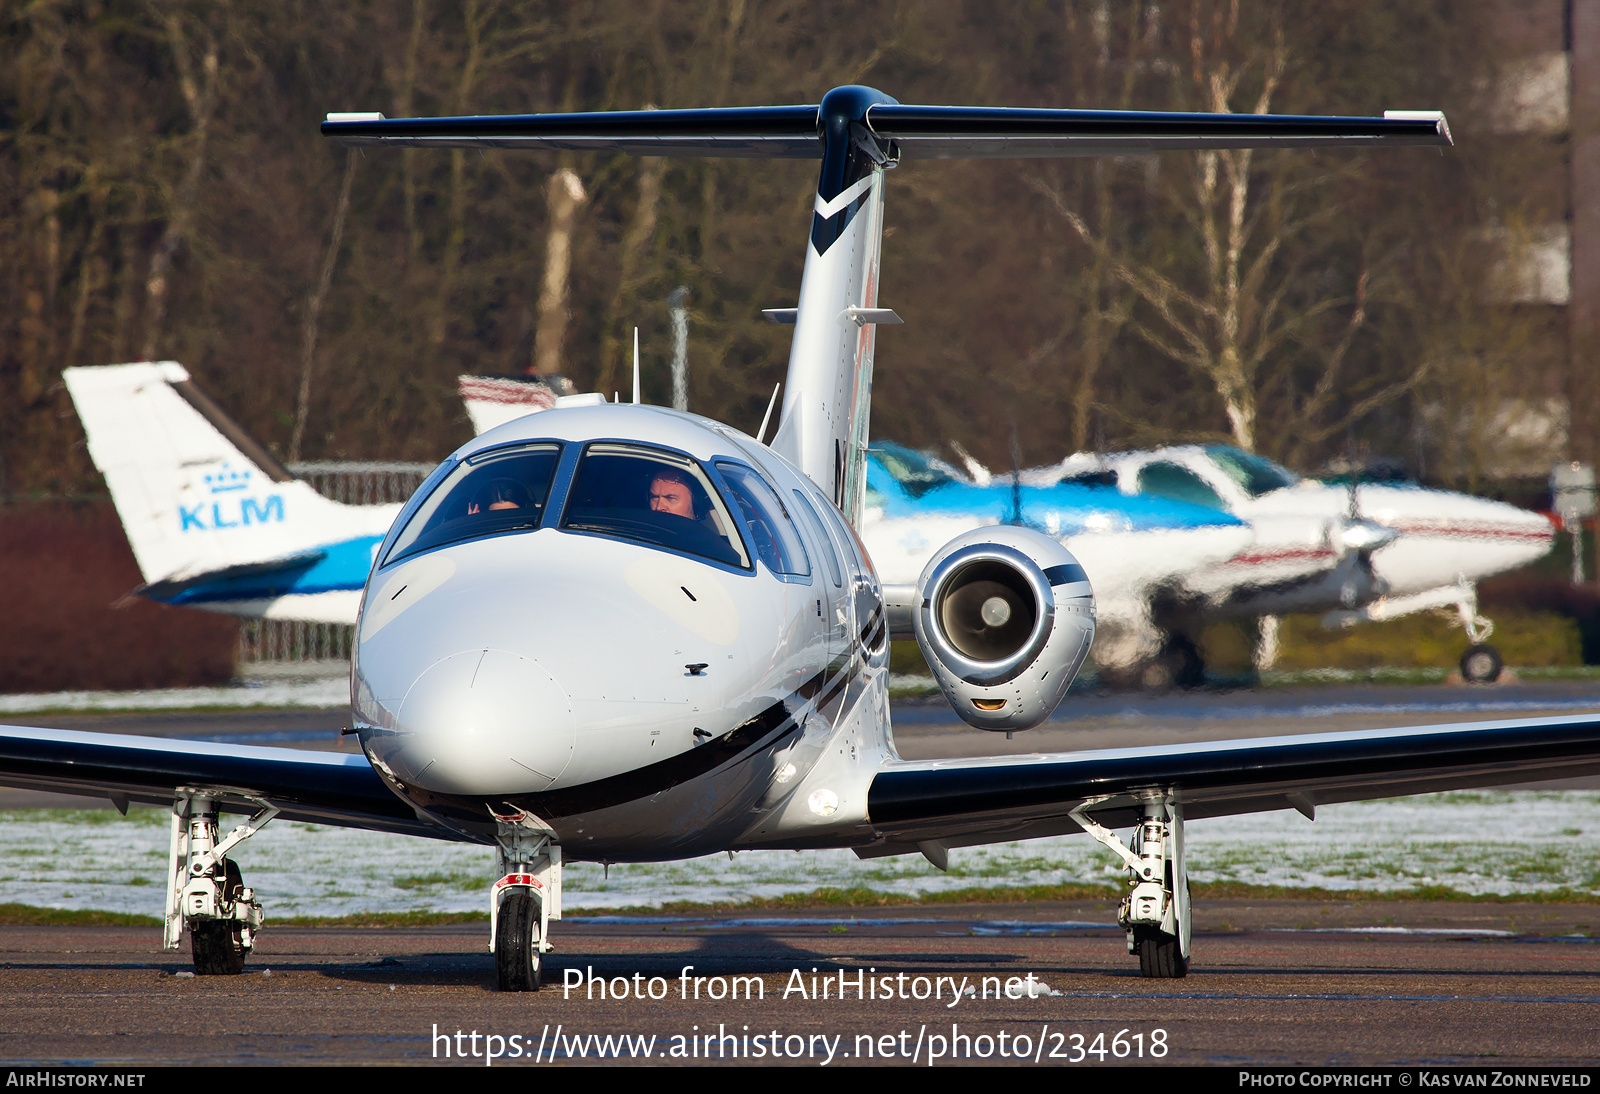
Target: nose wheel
524, 900
1481, 664
517, 960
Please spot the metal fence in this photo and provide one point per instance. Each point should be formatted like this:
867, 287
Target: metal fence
362, 482
290, 648
283, 647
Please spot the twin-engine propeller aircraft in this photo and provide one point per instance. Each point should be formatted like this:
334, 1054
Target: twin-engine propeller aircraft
623, 633
1355, 551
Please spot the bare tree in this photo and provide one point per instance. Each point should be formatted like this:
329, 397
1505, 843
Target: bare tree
313, 313
565, 194
1228, 300
195, 54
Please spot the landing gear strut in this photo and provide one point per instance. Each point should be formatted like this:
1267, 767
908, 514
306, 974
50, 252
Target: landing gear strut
1155, 913
524, 900
1481, 664
206, 893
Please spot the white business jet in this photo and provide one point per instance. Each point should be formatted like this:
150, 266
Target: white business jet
1357, 552
1133, 549
623, 633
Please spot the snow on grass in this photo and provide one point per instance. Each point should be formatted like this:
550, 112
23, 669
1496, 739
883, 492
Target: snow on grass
1475, 842
298, 694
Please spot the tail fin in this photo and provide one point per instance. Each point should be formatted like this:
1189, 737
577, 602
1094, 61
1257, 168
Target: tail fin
495, 400
200, 499
859, 133
827, 396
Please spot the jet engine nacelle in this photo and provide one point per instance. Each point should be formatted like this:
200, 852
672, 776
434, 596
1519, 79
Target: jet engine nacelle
1005, 617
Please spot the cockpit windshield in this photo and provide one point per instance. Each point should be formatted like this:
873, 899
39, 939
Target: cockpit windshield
654, 497
1254, 474
501, 490
911, 469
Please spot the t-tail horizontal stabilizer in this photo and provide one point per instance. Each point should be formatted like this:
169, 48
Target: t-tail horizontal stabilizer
857, 133
943, 132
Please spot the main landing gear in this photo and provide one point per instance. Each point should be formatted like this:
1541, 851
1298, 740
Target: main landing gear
1155, 913
524, 900
206, 894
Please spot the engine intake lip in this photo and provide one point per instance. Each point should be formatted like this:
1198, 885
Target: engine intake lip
989, 656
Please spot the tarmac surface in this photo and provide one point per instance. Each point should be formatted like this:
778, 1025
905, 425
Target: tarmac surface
1273, 982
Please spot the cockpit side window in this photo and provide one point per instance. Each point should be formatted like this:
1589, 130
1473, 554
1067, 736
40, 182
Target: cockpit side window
653, 497
1254, 474
772, 531
489, 493
820, 534
1168, 480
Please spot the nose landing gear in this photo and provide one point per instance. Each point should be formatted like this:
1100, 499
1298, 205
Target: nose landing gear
524, 900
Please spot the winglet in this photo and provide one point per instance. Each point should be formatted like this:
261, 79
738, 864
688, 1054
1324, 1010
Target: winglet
1442, 127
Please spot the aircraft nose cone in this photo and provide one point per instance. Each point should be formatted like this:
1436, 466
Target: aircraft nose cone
486, 722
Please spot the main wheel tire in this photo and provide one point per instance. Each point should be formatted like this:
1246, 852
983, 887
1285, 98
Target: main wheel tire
517, 960
1481, 664
216, 948
217, 945
1159, 955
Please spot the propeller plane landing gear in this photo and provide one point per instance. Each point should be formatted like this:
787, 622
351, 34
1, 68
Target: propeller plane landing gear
524, 900
1481, 664
206, 893
1155, 913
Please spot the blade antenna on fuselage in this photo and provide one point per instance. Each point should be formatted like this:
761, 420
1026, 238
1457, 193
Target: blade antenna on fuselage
635, 366
762, 432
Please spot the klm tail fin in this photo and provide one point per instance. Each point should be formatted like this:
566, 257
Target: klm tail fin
214, 520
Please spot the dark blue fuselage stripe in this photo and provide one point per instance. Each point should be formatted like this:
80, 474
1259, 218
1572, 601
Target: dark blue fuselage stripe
1065, 574
765, 730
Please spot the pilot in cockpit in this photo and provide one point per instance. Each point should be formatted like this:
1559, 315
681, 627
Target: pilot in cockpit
499, 494
672, 491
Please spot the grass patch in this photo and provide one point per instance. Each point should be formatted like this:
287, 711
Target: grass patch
862, 897
469, 882
380, 919
1422, 641
1233, 890
25, 915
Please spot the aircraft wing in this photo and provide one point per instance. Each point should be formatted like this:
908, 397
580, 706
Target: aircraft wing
321, 787
961, 802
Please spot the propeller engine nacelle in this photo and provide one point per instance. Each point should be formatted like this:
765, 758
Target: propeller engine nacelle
1005, 617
